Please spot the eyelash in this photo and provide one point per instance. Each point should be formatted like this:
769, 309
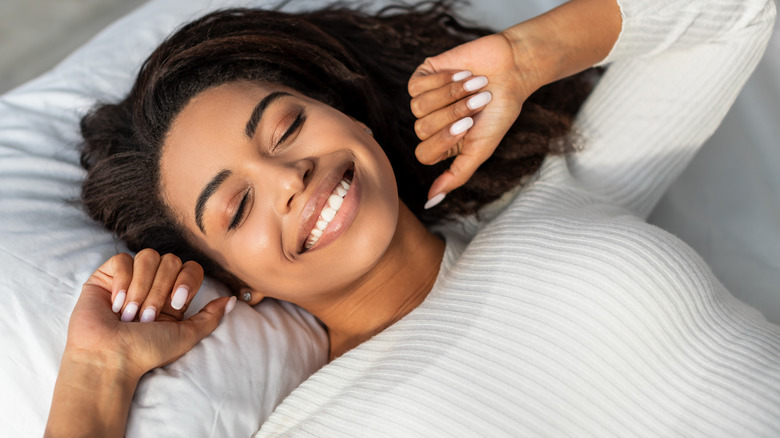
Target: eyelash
239, 216
300, 118
240, 211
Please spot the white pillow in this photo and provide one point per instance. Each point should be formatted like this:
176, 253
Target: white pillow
232, 380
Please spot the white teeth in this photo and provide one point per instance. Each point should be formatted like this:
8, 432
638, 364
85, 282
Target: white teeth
335, 201
327, 214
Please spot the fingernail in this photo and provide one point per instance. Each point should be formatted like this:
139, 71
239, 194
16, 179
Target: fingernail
130, 311
475, 84
436, 200
119, 299
461, 75
149, 314
479, 100
461, 126
230, 305
179, 298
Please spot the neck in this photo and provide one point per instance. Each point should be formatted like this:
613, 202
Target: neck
398, 283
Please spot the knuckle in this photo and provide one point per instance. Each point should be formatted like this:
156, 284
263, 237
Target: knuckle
123, 257
156, 293
457, 170
413, 87
457, 112
171, 260
193, 267
148, 254
122, 262
421, 155
416, 108
420, 129
454, 91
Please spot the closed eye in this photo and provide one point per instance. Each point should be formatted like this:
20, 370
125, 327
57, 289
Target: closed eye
240, 213
294, 126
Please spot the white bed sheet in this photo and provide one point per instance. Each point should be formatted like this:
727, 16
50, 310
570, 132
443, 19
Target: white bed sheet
726, 205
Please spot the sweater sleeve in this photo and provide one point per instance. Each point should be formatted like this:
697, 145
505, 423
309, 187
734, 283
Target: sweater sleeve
676, 68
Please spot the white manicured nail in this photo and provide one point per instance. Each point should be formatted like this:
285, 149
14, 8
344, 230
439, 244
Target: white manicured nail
475, 84
148, 314
119, 299
461, 126
130, 310
479, 100
179, 298
230, 305
461, 75
436, 200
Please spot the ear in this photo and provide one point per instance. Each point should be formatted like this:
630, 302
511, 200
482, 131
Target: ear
250, 296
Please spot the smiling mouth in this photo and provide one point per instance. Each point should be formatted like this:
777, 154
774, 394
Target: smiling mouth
331, 208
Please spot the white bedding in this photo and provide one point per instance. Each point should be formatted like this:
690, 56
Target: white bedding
727, 206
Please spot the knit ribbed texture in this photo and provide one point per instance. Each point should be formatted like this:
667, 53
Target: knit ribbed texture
566, 314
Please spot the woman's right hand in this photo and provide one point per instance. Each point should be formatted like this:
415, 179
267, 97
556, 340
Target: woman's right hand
131, 310
110, 347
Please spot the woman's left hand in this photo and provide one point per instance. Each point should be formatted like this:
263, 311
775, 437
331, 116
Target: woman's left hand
467, 115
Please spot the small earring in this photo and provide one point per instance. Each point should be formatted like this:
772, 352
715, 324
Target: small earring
369, 131
247, 296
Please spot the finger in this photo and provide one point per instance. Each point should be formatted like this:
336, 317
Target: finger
121, 268
167, 271
434, 122
202, 324
144, 270
186, 285
445, 95
422, 81
461, 169
443, 144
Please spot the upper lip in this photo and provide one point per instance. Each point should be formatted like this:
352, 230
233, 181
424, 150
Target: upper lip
311, 210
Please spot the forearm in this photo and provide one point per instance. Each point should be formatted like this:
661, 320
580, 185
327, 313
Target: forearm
675, 72
565, 40
91, 398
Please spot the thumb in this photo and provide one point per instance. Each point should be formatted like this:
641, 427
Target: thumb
424, 69
207, 319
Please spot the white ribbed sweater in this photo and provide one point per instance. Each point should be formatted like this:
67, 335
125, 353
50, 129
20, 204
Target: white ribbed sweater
566, 314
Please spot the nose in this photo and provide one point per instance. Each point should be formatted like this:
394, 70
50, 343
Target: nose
290, 179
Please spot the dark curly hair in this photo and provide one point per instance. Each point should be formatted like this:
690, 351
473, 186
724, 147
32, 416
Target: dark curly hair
357, 62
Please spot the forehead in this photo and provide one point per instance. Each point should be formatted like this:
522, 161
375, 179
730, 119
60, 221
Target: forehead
203, 140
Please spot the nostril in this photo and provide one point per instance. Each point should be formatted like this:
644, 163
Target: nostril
289, 202
306, 174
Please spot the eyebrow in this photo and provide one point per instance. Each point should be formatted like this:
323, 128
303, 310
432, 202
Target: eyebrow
206, 194
257, 113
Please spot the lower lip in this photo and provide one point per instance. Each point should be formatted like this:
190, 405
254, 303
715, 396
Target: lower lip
344, 216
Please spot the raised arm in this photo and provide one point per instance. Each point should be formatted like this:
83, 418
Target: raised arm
676, 68
675, 71
516, 62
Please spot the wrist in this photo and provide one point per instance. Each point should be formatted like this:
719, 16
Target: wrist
106, 365
567, 39
92, 396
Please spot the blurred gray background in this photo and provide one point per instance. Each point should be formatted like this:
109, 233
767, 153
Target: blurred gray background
36, 34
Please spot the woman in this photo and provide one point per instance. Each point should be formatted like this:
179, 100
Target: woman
375, 264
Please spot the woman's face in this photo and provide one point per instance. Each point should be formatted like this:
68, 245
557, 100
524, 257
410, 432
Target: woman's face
287, 193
